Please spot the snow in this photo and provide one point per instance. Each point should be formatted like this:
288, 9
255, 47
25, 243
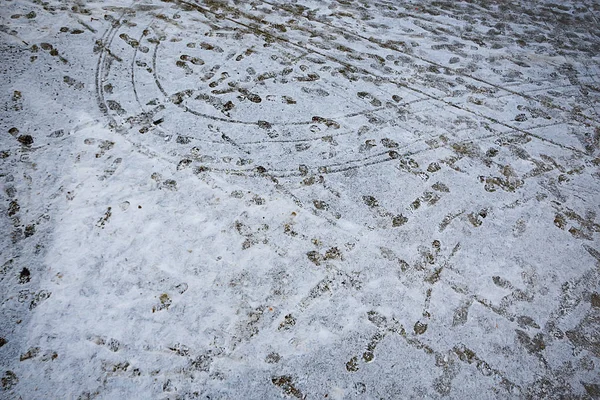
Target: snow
266, 199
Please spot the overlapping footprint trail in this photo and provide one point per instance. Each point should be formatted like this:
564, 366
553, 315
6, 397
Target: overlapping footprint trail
185, 76
481, 136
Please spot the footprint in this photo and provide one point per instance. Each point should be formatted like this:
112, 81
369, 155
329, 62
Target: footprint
116, 107
368, 96
73, 83
318, 91
193, 60
129, 40
108, 172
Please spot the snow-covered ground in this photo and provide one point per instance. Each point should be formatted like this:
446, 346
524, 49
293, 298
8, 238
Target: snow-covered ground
338, 199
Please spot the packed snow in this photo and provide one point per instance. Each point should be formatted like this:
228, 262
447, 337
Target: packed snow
227, 199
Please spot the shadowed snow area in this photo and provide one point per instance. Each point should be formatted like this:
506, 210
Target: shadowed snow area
340, 199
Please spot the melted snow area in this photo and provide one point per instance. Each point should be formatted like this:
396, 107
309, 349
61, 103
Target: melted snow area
262, 199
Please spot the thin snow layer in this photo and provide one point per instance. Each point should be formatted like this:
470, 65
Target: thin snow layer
307, 199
